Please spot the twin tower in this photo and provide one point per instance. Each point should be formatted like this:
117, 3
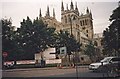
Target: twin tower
76, 23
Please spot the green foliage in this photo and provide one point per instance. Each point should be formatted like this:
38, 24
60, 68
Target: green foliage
65, 39
112, 35
33, 37
8, 43
90, 50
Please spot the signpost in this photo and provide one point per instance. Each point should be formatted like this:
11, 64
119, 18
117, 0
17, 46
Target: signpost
63, 51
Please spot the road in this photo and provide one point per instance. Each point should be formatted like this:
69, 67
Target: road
52, 72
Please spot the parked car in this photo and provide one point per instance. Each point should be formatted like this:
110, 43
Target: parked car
9, 64
108, 64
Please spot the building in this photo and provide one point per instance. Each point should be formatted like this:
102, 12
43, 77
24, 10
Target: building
77, 24
97, 41
80, 25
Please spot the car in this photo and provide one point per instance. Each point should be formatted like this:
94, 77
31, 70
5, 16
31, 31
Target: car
108, 64
9, 64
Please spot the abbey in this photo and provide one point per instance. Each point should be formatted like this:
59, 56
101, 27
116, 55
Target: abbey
77, 24
80, 25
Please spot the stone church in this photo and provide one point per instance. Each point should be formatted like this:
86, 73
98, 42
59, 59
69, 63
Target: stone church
78, 24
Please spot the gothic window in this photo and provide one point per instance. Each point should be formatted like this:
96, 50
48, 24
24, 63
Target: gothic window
87, 35
95, 43
65, 19
81, 23
87, 31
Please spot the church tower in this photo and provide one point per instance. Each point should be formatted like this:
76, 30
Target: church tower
87, 24
69, 18
78, 25
75, 23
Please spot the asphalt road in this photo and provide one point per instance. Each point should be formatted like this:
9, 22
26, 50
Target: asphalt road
53, 72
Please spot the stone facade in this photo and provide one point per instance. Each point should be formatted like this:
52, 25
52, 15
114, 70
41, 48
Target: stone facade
97, 41
79, 25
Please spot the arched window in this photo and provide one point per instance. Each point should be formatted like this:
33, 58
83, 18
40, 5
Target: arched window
81, 23
87, 31
65, 19
95, 43
87, 35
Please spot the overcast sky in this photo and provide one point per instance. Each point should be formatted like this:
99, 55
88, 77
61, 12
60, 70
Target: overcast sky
20, 9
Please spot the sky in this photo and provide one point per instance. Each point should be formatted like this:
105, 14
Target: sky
20, 9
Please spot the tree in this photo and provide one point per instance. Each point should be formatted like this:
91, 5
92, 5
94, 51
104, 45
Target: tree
66, 40
34, 37
8, 38
112, 35
90, 51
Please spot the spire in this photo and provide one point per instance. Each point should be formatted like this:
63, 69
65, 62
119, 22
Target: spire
48, 13
53, 13
71, 6
90, 14
62, 6
76, 6
40, 15
67, 6
87, 11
